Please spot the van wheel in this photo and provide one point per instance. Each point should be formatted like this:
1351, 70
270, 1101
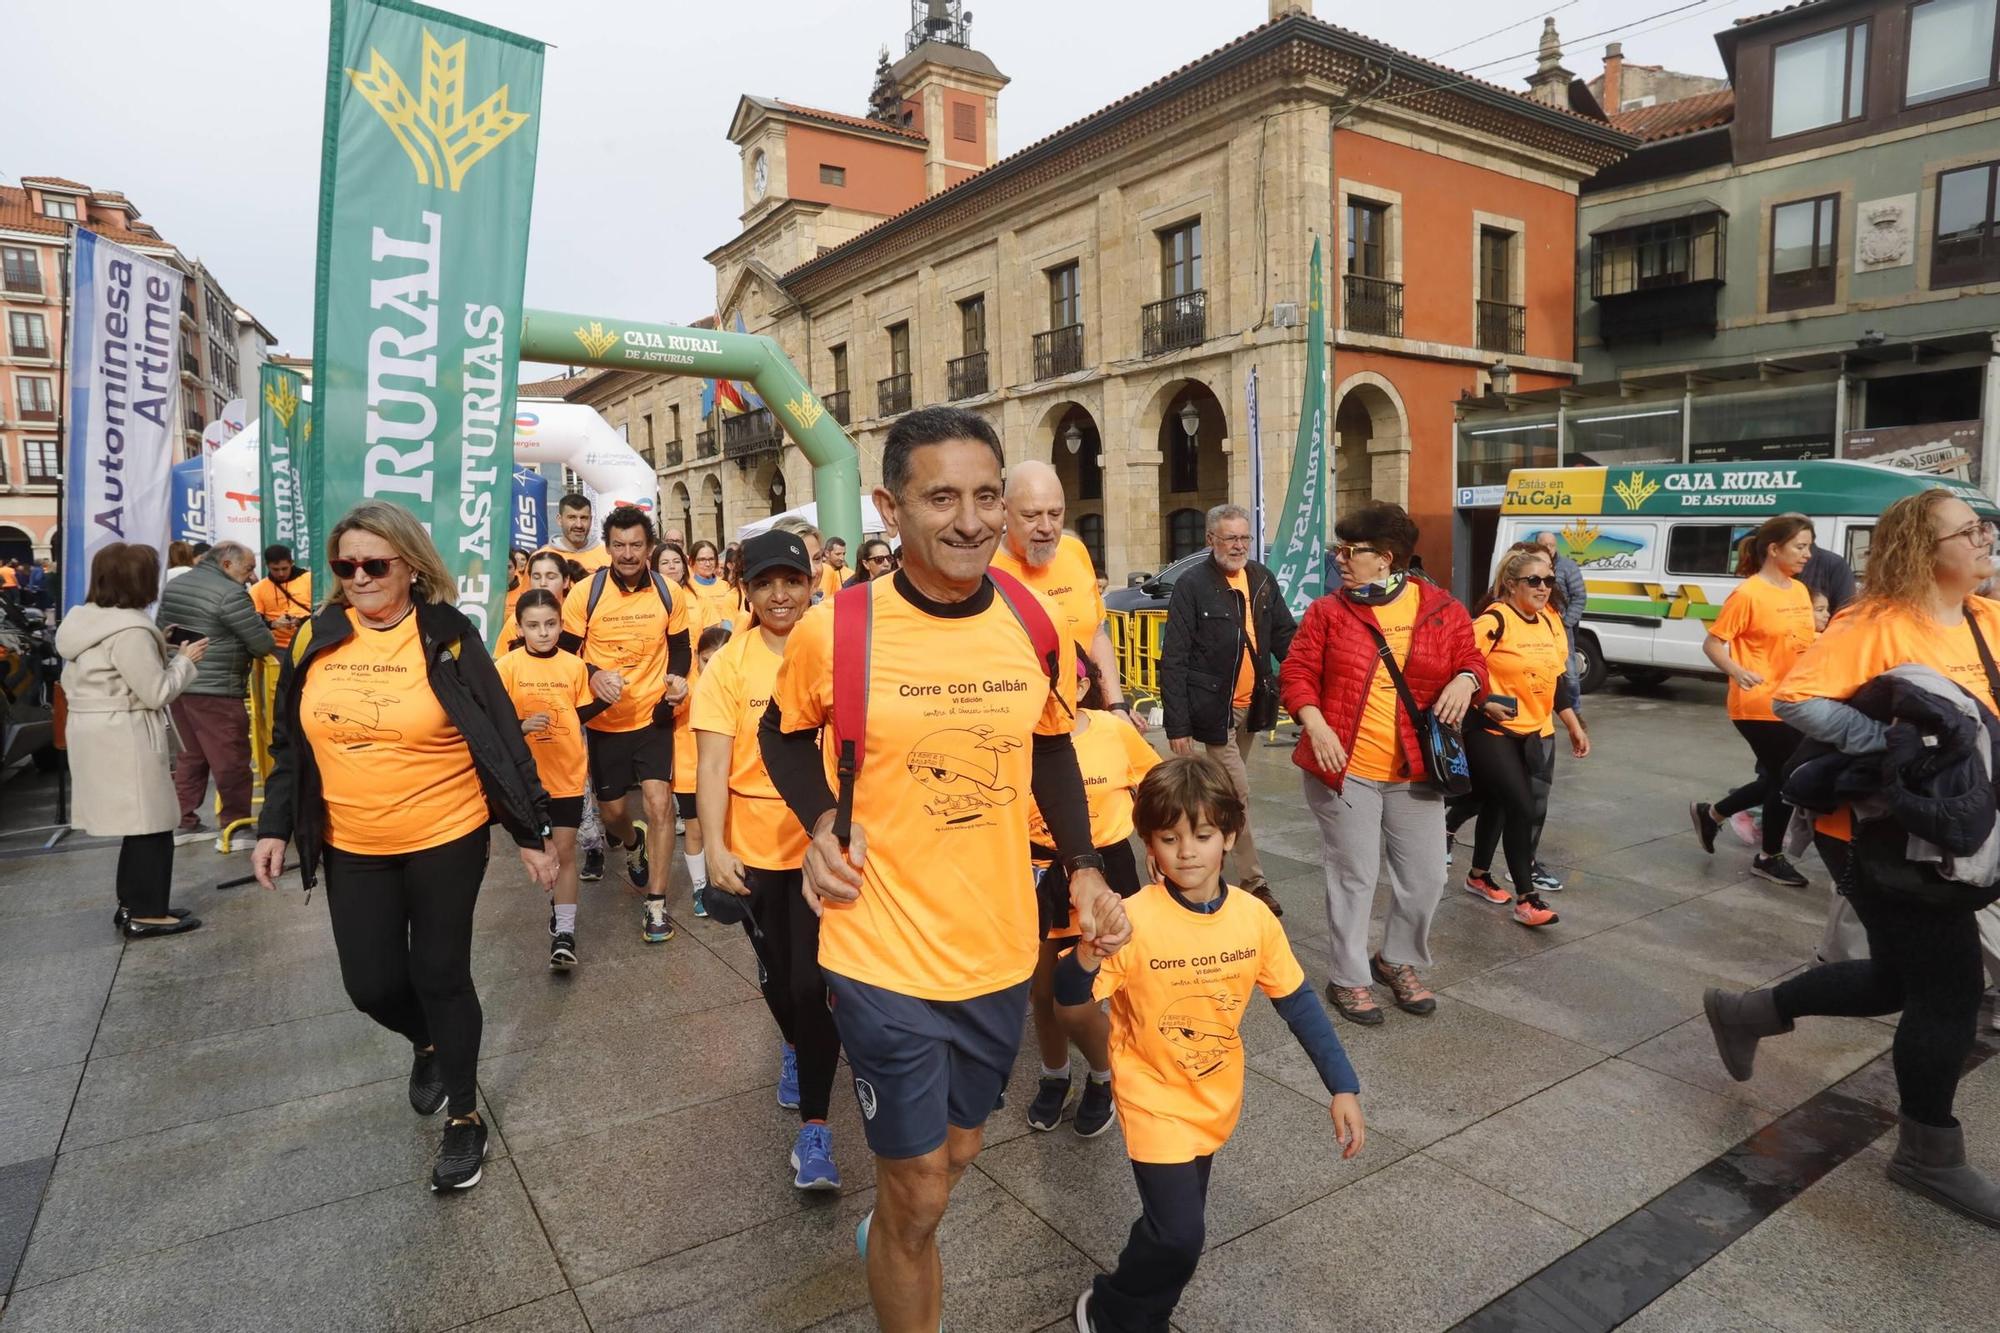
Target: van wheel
1592, 675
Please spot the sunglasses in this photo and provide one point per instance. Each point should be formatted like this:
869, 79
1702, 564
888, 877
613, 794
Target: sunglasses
1538, 580
375, 569
875, 560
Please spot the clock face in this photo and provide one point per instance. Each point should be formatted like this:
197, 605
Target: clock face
760, 175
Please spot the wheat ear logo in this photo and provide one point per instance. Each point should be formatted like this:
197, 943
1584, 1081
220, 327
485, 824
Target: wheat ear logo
1636, 491
443, 141
282, 402
1579, 535
596, 341
805, 410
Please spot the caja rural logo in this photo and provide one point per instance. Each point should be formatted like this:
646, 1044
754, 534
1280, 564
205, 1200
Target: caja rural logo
442, 140
283, 402
596, 339
1636, 491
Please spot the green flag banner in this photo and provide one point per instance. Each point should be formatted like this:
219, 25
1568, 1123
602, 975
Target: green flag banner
1298, 555
284, 422
426, 175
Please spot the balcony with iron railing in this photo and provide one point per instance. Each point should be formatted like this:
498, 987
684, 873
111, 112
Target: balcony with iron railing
1059, 352
835, 404
1502, 327
1371, 305
21, 280
749, 436
965, 376
892, 395
191, 367
1179, 321
675, 454
704, 444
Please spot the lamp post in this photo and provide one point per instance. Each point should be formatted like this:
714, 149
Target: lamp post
1190, 420
1502, 376
1073, 439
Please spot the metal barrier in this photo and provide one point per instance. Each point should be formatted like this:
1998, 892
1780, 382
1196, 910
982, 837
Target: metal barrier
1137, 638
262, 699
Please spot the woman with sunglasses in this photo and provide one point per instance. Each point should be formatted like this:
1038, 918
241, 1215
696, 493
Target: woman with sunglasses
1927, 555
394, 747
1510, 738
873, 562
1763, 628
1364, 768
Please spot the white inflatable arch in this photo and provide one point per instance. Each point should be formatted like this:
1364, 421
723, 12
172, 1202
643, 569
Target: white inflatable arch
550, 431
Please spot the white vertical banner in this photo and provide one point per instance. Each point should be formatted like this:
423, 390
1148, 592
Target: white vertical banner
124, 348
1256, 475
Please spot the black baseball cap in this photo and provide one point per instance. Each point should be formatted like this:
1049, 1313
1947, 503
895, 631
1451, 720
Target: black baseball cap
775, 550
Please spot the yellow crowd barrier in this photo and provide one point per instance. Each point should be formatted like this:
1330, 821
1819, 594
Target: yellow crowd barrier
262, 695
1137, 638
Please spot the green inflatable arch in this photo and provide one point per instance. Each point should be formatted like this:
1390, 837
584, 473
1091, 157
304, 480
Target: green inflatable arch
668, 349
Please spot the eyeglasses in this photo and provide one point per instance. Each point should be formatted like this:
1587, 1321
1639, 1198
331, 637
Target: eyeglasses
1221, 540
375, 569
1977, 535
1348, 550
1538, 580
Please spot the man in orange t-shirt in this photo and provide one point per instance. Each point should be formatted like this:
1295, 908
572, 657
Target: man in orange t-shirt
928, 928
283, 596
577, 542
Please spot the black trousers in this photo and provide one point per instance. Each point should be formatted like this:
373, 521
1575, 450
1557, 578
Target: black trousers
146, 873
1923, 961
1161, 1253
1511, 777
785, 934
403, 928
1772, 743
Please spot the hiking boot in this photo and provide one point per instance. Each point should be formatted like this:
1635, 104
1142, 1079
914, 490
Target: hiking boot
1778, 870
1051, 1095
1739, 1020
426, 1083
1481, 884
1931, 1161
1356, 1004
1706, 826
461, 1158
1094, 1110
593, 864
1261, 891
1531, 911
1412, 996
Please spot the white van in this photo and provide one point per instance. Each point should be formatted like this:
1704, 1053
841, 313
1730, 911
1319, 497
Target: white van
1657, 544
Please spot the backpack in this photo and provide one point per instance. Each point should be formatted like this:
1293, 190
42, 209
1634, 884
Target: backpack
1500, 622
853, 626
597, 591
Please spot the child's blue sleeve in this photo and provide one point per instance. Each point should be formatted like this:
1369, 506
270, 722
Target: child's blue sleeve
1303, 1014
1076, 986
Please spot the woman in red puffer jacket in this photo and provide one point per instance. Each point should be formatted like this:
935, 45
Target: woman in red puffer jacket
1364, 770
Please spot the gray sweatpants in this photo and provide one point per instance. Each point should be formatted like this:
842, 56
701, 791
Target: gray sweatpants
1358, 825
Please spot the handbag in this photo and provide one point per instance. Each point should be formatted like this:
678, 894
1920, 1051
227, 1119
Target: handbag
1445, 765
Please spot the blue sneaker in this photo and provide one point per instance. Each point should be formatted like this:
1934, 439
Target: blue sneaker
812, 1159
861, 1233
700, 908
788, 1078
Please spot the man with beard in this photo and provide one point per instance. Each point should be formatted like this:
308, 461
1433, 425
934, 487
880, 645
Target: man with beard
283, 596
575, 541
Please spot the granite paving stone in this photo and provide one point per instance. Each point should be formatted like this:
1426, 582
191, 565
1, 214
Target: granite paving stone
21, 1186
33, 1110
1790, 1068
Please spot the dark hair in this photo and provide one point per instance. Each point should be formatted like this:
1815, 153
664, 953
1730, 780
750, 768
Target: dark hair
687, 566
694, 551
1193, 786
572, 572
1092, 694
1773, 531
533, 598
834, 539
1380, 524
124, 575
928, 426
277, 551
712, 638
630, 516
200, 550
573, 500
180, 554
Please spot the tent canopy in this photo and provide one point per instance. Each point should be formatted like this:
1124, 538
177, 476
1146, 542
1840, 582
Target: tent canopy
871, 522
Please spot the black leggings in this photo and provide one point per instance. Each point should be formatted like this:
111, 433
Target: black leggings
403, 928
1772, 743
1924, 961
1161, 1253
1511, 776
785, 934
146, 873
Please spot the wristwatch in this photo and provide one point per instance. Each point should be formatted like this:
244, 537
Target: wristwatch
1085, 861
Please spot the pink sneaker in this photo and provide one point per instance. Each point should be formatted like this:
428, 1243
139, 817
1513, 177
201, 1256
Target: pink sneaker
1744, 825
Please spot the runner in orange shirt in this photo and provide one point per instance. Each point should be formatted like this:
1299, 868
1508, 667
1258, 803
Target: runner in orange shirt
283, 597
575, 540
833, 565
670, 560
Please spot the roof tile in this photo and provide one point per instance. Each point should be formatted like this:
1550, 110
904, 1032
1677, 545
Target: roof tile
1683, 115
853, 122
57, 181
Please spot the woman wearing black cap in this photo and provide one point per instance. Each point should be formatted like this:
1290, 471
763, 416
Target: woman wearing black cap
753, 866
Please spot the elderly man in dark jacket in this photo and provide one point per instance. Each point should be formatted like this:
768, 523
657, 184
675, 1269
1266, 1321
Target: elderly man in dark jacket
212, 716
1227, 629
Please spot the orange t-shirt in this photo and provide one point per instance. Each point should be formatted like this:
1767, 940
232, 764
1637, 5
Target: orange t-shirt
1113, 757
628, 634
507, 631
1069, 580
724, 603
1177, 994
829, 580
395, 774
288, 599
1246, 673
1766, 628
734, 691
1377, 753
1529, 659
1862, 643
558, 685
687, 757
947, 908
591, 559
8, 579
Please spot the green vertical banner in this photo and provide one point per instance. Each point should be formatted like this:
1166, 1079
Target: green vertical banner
426, 176
284, 420
1298, 551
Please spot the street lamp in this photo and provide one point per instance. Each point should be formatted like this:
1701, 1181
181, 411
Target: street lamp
1502, 376
1073, 438
1190, 420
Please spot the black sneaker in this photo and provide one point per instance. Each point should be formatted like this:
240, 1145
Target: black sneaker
1045, 1112
426, 1083
1706, 825
461, 1158
1094, 1111
593, 864
1778, 870
562, 952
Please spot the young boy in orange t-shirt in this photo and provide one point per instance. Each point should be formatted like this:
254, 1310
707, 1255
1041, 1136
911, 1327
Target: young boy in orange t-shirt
1177, 993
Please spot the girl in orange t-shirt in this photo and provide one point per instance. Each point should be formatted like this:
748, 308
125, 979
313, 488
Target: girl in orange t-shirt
1764, 627
554, 572
551, 693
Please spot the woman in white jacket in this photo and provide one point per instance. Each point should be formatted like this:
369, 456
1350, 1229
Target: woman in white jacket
119, 675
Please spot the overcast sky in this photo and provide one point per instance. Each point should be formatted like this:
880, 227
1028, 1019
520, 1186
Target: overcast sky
207, 112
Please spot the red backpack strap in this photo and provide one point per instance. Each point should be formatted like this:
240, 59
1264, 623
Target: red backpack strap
853, 623
1034, 618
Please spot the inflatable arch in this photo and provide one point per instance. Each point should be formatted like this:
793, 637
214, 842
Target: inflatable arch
550, 431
